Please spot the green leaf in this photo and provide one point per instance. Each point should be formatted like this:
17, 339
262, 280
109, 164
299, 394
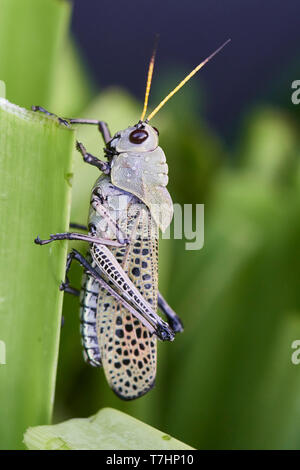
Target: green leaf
109, 429
31, 34
2, 89
72, 88
269, 146
35, 164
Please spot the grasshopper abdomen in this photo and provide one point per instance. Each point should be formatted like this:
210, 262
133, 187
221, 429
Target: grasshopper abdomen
124, 345
88, 313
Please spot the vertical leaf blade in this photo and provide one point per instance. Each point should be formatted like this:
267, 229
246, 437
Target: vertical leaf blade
31, 34
35, 167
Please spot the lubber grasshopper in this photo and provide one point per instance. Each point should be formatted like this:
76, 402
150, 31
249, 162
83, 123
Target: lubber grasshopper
119, 294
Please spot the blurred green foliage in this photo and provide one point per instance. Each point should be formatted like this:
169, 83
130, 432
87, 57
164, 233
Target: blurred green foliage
31, 37
228, 380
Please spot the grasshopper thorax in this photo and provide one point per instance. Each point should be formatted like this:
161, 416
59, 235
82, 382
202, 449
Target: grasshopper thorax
138, 166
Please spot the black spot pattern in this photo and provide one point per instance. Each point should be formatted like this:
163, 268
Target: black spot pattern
130, 367
136, 272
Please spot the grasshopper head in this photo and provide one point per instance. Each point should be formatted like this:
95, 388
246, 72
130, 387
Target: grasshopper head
137, 139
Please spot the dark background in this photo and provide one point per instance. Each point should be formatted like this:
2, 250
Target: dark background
116, 39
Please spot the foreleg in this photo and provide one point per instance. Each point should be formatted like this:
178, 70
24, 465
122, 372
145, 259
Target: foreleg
102, 126
97, 205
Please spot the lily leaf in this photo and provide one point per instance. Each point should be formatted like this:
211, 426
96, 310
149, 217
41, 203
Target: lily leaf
109, 429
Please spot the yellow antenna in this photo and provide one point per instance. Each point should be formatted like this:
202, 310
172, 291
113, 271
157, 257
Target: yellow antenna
149, 77
186, 79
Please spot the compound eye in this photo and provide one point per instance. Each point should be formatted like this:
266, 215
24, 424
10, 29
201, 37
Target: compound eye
156, 130
138, 136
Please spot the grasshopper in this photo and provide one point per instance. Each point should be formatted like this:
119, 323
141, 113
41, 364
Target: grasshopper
119, 294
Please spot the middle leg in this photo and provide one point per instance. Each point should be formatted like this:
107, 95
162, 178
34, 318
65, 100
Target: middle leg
77, 236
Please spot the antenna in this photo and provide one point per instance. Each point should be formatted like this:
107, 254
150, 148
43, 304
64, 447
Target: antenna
186, 79
149, 77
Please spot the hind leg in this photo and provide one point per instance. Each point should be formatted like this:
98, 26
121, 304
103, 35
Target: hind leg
173, 319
